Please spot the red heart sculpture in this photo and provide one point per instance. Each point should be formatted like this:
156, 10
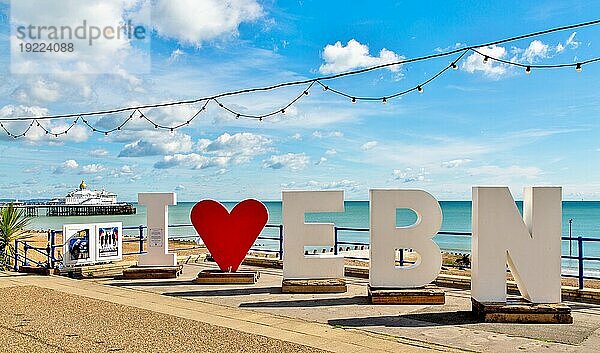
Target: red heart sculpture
229, 236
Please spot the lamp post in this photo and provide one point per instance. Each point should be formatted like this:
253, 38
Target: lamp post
570, 235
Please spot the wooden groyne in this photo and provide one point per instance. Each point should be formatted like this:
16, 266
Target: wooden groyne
77, 210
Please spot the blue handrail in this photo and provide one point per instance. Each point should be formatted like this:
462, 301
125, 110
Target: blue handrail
338, 246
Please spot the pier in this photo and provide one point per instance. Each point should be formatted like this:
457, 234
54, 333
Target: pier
49, 210
79, 202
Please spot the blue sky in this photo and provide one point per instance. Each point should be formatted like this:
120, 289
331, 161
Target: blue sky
484, 124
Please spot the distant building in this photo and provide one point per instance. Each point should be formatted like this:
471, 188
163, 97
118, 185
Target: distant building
84, 196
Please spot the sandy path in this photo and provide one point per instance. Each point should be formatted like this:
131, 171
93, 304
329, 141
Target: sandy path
34, 319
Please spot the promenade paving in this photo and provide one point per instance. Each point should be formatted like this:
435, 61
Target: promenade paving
57, 314
449, 325
318, 322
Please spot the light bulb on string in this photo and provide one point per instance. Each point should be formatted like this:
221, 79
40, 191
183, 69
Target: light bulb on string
282, 111
486, 59
454, 66
578, 67
306, 93
384, 100
353, 100
325, 88
528, 70
419, 89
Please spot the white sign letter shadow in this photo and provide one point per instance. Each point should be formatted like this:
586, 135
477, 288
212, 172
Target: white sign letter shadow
298, 234
386, 238
530, 244
157, 213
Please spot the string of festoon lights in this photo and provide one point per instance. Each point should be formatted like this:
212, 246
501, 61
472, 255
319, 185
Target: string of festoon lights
137, 112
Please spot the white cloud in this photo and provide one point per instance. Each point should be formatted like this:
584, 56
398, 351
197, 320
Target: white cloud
240, 147
296, 137
191, 160
32, 170
126, 169
70, 164
67, 165
339, 58
221, 152
369, 145
344, 184
536, 49
194, 22
321, 161
331, 152
292, 161
158, 144
455, 163
175, 55
92, 169
474, 62
320, 134
99, 153
409, 175
38, 90
571, 42
449, 48
77, 133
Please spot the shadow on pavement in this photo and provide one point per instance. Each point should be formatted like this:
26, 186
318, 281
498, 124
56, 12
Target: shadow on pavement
358, 300
409, 320
151, 283
225, 292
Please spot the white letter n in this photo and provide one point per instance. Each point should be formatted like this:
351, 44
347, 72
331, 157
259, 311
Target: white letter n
531, 245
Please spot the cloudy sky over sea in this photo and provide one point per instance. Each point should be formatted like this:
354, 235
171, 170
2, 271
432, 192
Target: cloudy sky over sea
485, 123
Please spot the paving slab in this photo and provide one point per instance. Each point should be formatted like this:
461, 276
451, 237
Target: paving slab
450, 325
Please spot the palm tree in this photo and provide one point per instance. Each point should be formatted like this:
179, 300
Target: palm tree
13, 222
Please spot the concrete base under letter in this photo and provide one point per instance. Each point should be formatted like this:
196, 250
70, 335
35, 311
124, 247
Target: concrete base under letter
152, 272
518, 310
429, 295
220, 277
328, 285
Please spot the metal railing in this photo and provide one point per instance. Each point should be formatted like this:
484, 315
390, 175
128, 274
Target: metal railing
22, 248
581, 258
21, 257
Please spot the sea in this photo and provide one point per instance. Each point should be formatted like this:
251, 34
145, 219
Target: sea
584, 216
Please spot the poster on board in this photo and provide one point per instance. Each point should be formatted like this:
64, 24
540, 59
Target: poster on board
109, 242
78, 248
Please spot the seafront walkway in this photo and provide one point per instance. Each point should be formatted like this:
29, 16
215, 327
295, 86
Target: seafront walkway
56, 314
